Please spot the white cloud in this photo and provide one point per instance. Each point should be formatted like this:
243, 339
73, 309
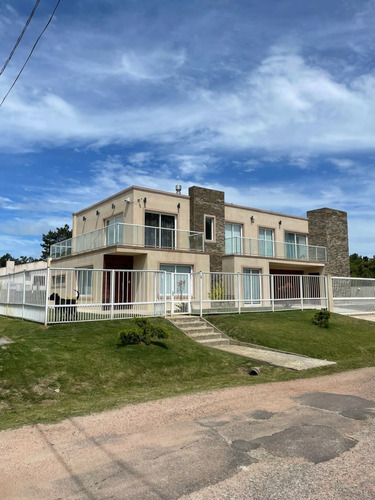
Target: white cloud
155, 65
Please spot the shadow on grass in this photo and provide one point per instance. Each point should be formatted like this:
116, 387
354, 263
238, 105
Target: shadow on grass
159, 344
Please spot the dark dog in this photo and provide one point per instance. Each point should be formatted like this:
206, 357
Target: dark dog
67, 310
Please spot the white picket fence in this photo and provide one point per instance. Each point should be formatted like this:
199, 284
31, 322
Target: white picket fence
70, 295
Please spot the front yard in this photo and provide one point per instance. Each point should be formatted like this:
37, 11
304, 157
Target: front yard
48, 374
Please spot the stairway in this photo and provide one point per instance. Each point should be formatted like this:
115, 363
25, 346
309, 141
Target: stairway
200, 330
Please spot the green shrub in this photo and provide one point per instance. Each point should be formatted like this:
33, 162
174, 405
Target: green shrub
143, 332
160, 332
321, 319
217, 292
129, 337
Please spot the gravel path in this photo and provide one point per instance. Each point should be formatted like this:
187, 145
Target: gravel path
304, 439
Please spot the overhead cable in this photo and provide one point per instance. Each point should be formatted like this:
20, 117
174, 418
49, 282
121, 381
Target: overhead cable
20, 37
30, 54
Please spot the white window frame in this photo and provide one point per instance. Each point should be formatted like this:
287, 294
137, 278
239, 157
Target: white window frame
267, 245
211, 218
235, 243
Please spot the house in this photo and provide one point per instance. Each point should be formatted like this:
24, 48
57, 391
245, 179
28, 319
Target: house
143, 252
145, 229
142, 229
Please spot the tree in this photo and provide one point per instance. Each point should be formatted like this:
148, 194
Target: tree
362, 267
4, 258
60, 234
21, 260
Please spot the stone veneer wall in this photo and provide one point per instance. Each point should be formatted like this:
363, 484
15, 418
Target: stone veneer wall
329, 228
209, 202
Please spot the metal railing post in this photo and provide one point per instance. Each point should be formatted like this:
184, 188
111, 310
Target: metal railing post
301, 290
47, 295
165, 294
239, 293
272, 293
112, 293
24, 293
200, 294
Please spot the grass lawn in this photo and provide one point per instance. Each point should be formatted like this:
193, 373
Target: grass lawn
348, 341
48, 374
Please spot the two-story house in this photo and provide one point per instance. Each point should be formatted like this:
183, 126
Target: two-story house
145, 229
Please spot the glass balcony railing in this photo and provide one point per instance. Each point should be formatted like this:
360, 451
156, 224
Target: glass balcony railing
130, 235
274, 249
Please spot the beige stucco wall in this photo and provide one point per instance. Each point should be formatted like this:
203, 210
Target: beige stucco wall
198, 261
262, 219
133, 212
12, 268
236, 264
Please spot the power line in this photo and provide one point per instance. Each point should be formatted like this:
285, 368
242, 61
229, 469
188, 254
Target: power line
31, 52
20, 37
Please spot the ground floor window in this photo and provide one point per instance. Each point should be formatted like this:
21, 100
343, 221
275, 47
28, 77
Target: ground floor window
84, 281
251, 286
177, 281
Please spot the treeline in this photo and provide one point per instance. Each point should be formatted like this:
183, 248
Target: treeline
362, 267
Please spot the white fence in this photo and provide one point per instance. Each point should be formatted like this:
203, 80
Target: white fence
353, 295
71, 295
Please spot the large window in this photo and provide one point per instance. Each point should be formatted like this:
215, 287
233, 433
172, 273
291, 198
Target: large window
266, 242
233, 241
114, 230
177, 281
160, 230
296, 246
84, 282
251, 286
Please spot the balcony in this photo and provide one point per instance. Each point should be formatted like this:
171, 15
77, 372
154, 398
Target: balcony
274, 249
130, 235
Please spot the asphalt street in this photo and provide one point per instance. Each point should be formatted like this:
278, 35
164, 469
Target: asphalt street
305, 439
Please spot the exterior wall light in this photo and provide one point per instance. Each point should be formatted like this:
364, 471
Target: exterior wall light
83, 218
252, 219
97, 212
113, 206
178, 206
280, 222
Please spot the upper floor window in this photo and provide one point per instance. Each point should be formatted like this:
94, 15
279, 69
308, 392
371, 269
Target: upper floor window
266, 242
160, 230
233, 241
114, 230
296, 246
209, 227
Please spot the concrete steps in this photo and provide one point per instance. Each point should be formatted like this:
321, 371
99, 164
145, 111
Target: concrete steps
199, 330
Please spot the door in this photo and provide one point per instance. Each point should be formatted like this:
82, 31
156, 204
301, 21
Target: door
123, 279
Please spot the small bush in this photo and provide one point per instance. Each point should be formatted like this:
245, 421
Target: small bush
321, 319
217, 292
143, 332
129, 337
160, 332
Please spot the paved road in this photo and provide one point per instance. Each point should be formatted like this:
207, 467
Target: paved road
306, 439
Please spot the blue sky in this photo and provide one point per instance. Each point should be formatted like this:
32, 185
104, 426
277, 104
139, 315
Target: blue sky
272, 102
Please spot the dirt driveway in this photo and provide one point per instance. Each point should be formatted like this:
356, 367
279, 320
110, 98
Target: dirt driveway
305, 439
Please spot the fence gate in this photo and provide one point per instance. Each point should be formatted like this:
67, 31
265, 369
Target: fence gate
181, 292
